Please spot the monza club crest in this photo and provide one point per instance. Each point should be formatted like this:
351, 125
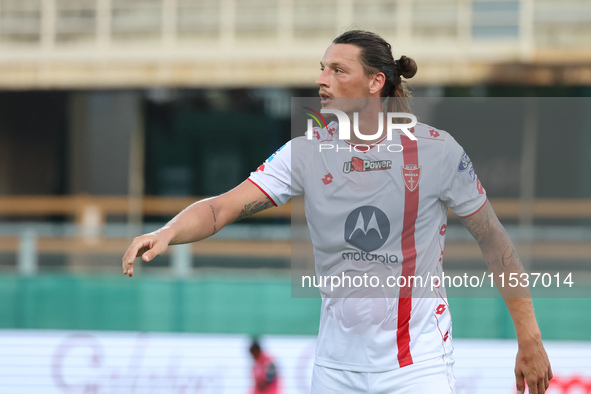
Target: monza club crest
411, 173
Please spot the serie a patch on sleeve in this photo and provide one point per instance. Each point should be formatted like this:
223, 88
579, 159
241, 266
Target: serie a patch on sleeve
465, 164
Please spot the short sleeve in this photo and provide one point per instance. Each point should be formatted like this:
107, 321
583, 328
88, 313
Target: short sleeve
274, 176
461, 189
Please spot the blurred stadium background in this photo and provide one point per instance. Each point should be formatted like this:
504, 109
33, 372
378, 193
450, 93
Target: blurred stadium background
111, 117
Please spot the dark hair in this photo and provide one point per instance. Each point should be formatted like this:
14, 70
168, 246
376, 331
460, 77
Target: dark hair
376, 56
254, 346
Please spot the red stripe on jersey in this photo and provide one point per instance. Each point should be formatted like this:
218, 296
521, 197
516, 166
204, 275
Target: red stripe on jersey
261, 189
409, 254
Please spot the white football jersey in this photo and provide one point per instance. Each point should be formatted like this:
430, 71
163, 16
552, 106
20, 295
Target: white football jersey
380, 213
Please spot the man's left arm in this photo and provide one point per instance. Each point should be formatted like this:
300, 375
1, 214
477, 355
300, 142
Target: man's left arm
532, 362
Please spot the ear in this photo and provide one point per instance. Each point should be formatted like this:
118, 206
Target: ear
377, 82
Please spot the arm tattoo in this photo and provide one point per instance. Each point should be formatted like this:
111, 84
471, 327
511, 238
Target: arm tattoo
485, 226
510, 259
478, 228
215, 230
254, 207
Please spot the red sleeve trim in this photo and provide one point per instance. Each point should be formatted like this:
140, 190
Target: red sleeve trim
476, 211
261, 189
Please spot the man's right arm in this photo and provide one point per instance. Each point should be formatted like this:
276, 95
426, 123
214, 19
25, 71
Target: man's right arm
198, 221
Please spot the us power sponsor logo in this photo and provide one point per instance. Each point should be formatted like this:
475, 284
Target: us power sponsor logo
362, 165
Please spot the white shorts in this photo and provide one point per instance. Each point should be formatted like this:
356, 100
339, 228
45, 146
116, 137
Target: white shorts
433, 376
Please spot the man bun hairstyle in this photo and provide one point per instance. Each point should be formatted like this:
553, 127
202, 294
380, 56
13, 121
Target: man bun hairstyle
376, 56
406, 67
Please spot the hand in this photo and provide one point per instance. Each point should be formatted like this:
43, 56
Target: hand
147, 247
532, 364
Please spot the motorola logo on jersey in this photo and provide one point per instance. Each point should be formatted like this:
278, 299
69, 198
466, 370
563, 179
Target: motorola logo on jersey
361, 165
367, 228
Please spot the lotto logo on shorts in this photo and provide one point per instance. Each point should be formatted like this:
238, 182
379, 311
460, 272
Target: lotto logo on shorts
360, 165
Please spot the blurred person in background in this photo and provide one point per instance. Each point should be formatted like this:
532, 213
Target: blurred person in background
378, 345
264, 371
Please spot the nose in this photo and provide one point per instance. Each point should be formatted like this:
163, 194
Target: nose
322, 78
